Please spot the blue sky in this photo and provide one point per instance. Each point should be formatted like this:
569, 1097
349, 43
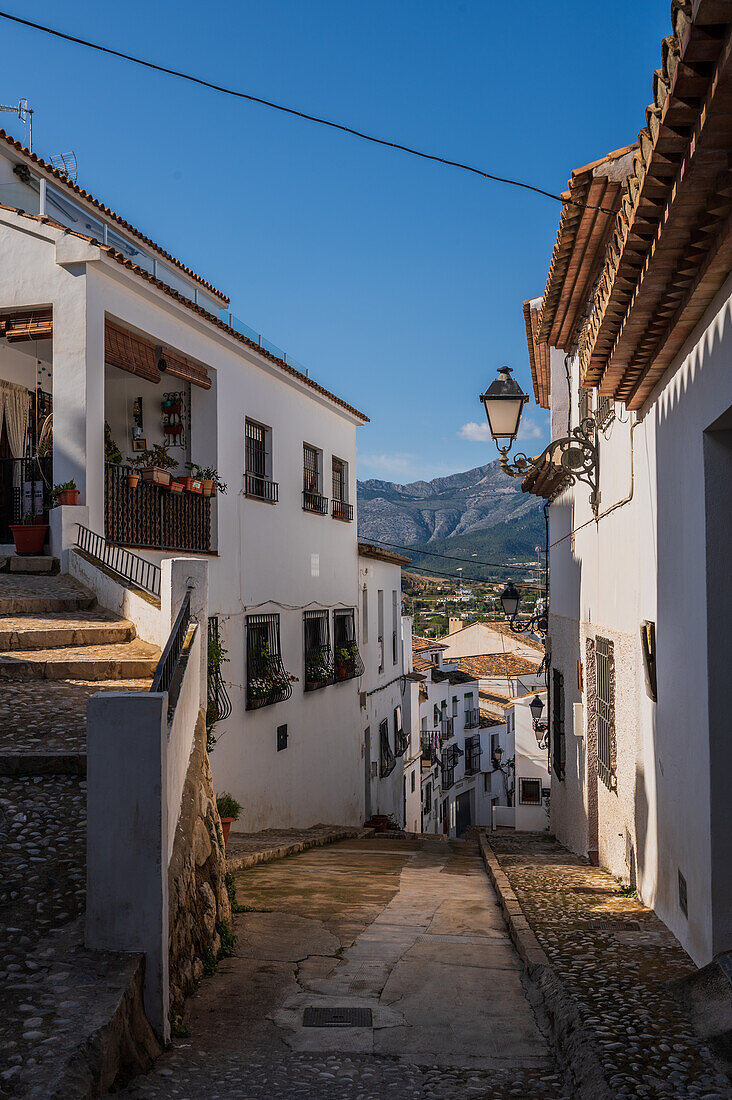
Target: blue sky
397, 282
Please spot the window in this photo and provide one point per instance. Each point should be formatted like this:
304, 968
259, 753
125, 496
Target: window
218, 704
312, 497
401, 742
428, 798
530, 792
394, 628
472, 713
648, 645
267, 680
584, 404
605, 411
348, 663
388, 759
341, 509
473, 752
557, 731
380, 626
605, 710
258, 480
318, 655
454, 706
413, 779
364, 616
448, 761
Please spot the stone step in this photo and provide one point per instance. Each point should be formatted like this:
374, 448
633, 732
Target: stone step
28, 563
51, 630
134, 660
32, 595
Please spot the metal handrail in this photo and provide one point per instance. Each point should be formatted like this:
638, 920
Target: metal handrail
314, 502
341, 510
168, 662
262, 488
130, 567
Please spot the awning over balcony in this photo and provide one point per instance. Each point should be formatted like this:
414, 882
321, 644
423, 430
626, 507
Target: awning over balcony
141, 357
27, 324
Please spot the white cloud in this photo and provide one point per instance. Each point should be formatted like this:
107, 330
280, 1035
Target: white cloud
480, 433
400, 466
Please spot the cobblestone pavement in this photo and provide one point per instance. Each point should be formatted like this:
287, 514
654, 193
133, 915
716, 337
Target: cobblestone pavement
42, 888
618, 979
406, 927
51, 715
246, 849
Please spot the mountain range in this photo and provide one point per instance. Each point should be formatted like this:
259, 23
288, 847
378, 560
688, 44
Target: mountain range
479, 511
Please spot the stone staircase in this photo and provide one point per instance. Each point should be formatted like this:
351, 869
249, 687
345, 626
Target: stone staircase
57, 647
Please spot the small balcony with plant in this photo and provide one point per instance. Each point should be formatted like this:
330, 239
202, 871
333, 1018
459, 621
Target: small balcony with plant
319, 670
268, 681
348, 663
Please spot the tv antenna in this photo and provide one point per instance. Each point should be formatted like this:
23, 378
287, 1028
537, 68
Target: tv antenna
25, 114
65, 163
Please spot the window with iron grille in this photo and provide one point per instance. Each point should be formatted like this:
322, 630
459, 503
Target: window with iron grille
557, 731
340, 483
380, 626
530, 792
605, 704
473, 753
401, 741
605, 411
428, 798
584, 403
448, 762
218, 704
394, 627
267, 680
312, 497
258, 480
388, 759
318, 654
348, 663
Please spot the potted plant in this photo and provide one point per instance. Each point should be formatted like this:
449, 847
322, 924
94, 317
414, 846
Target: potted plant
67, 493
112, 453
30, 535
229, 811
317, 672
193, 482
170, 406
176, 486
209, 477
155, 465
133, 479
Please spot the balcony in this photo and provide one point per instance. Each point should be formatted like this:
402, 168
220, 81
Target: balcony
447, 729
341, 510
472, 719
429, 750
261, 488
448, 769
314, 502
152, 516
473, 753
401, 742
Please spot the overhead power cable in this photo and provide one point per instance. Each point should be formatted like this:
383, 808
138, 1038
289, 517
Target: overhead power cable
447, 557
419, 569
298, 114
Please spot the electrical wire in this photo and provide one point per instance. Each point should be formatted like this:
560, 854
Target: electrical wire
299, 114
447, 557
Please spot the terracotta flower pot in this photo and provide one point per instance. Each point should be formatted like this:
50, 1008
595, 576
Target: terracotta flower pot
176, 486
207, 487
193, 485
156, 475
133, 480
68, 496
226, 823
29, 537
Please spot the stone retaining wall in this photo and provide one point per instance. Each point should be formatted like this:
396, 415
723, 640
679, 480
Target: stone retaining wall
198, 899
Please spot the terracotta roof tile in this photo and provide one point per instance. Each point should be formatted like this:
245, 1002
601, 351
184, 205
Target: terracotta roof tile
538, 354
497, 665
63, 179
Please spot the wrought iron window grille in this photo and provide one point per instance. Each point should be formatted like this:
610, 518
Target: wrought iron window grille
319, 670
448, 769
314, 502
472, 719
388, 759
261, 488
268, 681
218, 703
348, 663
473, 752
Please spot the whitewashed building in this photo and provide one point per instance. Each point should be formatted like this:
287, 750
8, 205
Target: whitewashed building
519, 787
641, 589
384, 710
99, 325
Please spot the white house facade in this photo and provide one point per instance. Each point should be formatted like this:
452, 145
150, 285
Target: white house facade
98, 325
641, 589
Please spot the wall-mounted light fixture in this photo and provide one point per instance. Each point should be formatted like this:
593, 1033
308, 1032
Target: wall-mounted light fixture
536, 706
575, 453
538, 623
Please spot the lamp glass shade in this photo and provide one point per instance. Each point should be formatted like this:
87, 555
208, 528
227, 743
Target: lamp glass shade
536, 706
510, 598
504, 401
498, 754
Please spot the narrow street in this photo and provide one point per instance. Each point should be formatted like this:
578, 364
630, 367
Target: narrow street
407, 929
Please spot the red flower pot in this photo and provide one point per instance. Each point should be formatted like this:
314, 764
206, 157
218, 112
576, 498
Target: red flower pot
68, 496
176, 486
193, 485
226, 823
207, 487
29, 537
133, 480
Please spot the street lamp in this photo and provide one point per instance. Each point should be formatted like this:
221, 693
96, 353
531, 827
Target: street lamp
576, 453
510, 598
536, 706
536, 624
498, 755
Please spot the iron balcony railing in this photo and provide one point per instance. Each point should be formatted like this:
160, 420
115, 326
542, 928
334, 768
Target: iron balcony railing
262, 488
428, 741
168, 663
314, 502
25, 490
472, 719
341, 510
473, 752
153, 516
128, 566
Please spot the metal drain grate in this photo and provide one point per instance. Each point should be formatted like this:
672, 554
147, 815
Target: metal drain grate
337, 1017
613, 926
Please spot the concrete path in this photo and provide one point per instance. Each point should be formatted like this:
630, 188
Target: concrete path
408, 929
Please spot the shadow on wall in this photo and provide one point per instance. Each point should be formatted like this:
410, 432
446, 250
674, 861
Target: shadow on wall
691, 731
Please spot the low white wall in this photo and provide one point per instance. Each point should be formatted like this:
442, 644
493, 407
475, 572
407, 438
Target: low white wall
181, 734
504, 815
143, 612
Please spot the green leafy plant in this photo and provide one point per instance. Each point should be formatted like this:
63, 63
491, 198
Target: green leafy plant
231, 891
112, 453
157, 455
206, 473
228, 806
209, 961
228, 939
66, 487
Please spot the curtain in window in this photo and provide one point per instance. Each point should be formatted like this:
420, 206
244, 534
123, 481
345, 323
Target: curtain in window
15, 409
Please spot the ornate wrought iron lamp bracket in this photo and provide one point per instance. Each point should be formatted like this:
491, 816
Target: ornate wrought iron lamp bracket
577, 454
